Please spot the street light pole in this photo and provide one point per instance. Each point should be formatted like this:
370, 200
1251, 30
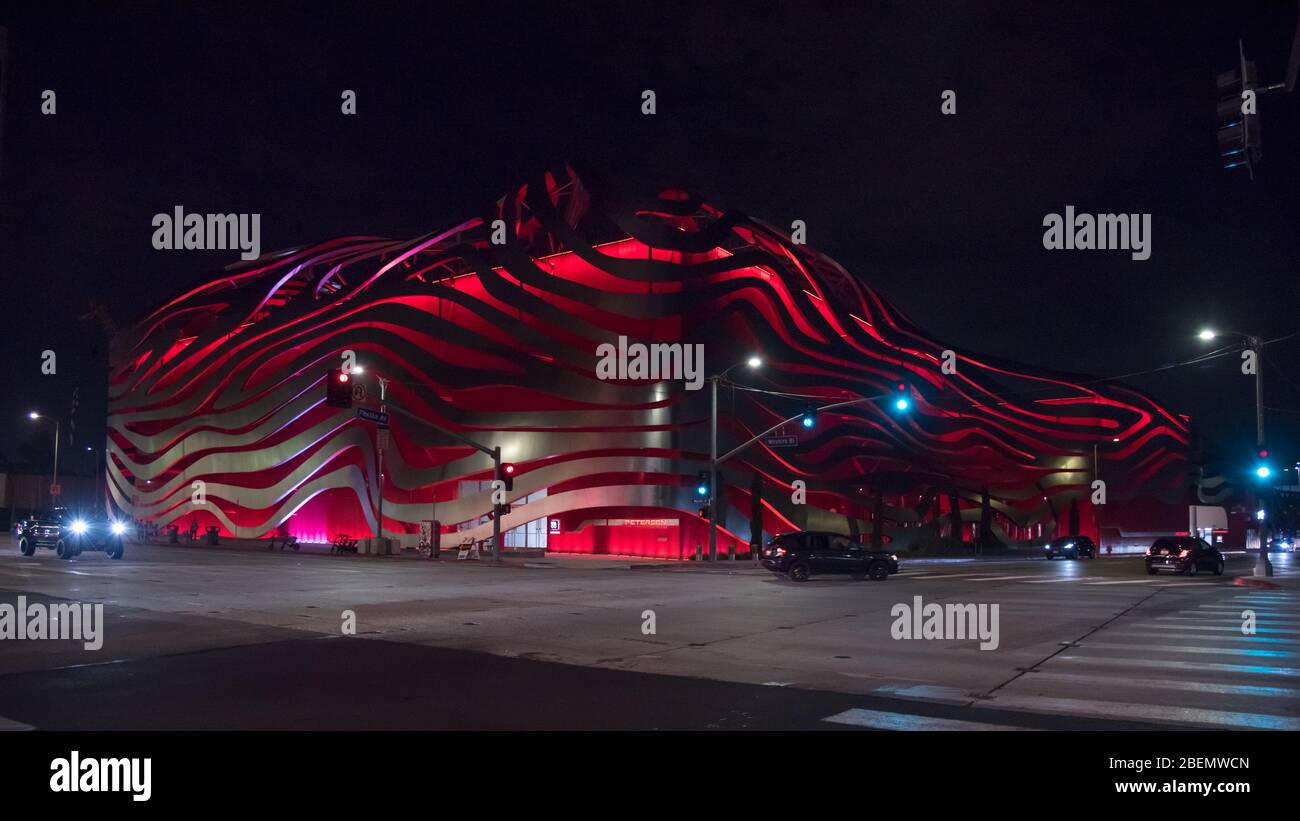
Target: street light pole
713, 471
36, 417
1263, 567
55, 483
496, 508
379, 440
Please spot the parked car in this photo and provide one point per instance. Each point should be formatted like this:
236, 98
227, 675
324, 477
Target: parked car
1183, 554
802, 554
69, 534
1071, 547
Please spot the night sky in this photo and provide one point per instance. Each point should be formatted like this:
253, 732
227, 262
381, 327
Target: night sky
829, 113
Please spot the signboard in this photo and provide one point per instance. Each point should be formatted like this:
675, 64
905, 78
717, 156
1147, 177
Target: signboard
373, 416
55, 490
555, 525
782, 441
359, 392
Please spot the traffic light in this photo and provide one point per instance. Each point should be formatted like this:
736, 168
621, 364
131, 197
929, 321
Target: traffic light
508, 475
809, 418
704, 511
1262, 468
901, 401
338, 389
1239, 128
704, 480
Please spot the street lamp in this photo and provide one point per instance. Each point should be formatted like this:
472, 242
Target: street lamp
36, 417
753, 362
1263, 567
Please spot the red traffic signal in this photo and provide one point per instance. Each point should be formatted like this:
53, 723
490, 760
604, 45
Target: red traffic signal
338, 393
508, 475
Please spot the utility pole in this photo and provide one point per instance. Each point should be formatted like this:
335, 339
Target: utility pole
1263, 567
380, 436
496, 508
56, 460
713, 471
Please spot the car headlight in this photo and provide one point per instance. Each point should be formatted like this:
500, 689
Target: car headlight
118, 528
893, 557
78, 527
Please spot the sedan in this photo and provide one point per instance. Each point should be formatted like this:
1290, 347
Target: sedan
1183, 554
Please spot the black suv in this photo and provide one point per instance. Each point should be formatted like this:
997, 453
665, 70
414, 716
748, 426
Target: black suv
802, 554
1183, 554
68, 534
1071, 547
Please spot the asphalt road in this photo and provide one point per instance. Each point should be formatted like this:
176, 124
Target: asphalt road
214, 638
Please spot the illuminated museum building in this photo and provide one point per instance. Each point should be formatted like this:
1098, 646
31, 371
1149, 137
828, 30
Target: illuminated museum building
498, 342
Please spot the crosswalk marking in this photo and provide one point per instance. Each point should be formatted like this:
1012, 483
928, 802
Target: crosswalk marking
1275, 641
1178, 648
1201, 666
1125, 581
1219, 628
1189, 666
880, 720
1151, 712
1170, 684
1057, 581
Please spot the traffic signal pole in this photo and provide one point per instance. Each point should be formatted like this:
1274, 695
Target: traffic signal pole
713, 472
379, 440
1263, 567
496, 508
715, 460
493, 452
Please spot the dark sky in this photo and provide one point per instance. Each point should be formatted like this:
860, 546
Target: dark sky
827, 113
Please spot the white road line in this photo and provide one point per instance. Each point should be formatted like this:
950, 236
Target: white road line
926, 692
1178, 648
1263, 631
1212, 666
879, 720
1150, 712
1262, 641
1165, 684
1004, 578
9, 725
1125, 581
943, 575
1264, 608
1055, 581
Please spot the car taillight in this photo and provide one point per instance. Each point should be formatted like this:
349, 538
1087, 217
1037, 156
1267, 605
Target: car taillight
780, 551
1184, 553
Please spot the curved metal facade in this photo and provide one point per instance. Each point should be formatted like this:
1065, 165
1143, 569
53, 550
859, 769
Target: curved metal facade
498, 342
